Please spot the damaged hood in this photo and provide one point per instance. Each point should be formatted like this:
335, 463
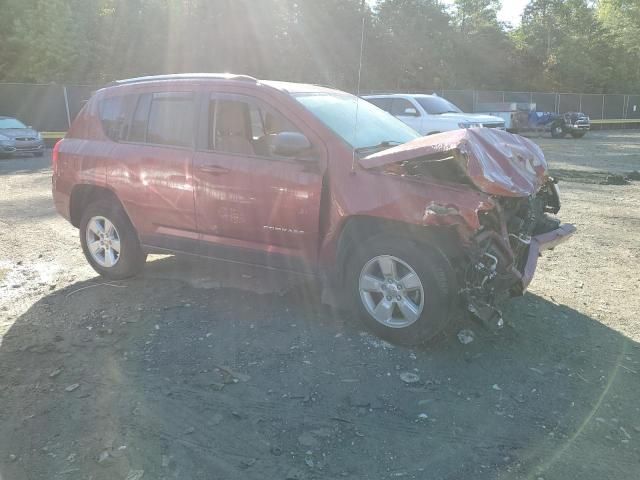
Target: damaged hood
496, 162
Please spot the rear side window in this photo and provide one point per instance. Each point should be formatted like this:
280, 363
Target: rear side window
115, 113
383, 103
171, 119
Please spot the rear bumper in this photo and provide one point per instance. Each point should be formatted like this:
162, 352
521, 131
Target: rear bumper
61, 199
539, 243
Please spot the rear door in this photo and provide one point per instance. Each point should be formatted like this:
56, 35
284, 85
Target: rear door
152, 167
251, 204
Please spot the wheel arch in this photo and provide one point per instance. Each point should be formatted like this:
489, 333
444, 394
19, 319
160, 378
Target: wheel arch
360, 227
84, 195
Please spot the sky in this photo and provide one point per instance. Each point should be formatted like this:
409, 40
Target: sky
512, 11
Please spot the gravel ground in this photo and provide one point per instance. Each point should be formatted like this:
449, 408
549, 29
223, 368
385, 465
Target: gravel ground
196, 370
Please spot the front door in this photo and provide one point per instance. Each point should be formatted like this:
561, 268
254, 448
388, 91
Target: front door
253, 205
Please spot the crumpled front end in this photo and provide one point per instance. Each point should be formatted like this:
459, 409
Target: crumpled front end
503, 254
502, 240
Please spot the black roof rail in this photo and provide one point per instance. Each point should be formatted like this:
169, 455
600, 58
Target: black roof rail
184, 76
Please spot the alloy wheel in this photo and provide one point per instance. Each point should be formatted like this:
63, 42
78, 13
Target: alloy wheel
391, 291
103, 241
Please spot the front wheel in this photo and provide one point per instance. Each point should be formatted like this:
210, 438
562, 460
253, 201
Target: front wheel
110, 242
578, 134
402, 290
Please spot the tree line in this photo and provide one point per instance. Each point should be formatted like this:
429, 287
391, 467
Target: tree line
560, 45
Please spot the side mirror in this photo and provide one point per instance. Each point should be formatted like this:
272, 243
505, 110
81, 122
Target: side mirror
411, 112
289, 144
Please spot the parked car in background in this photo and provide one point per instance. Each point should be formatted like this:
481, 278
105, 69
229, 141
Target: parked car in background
525, 118
576, 124
16, 137
429, 114
307, 179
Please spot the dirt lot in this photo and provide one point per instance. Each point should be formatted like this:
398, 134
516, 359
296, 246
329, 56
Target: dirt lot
198, 371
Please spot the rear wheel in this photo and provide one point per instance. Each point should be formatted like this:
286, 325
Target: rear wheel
401, 290
110, 242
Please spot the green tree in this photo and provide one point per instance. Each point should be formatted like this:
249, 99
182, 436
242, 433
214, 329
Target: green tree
42, 44
579, 45
411, 46
484, 54
562, 45
622, 20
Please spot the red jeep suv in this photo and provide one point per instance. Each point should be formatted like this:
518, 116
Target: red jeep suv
312, 180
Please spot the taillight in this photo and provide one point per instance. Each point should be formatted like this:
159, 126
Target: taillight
54, 156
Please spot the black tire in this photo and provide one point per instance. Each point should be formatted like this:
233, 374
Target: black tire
131, 257
557, 131
436, 276
578, 134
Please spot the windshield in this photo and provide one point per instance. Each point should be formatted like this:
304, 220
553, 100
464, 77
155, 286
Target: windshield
437, 105
338, 112
11, 123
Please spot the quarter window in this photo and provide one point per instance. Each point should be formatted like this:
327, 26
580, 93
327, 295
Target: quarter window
115, 113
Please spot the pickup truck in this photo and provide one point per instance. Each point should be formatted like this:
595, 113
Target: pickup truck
430, 114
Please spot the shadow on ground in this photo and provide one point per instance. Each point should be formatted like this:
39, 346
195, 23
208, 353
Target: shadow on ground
187, 381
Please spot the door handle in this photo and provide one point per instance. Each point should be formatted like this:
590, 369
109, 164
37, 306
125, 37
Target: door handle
214, 169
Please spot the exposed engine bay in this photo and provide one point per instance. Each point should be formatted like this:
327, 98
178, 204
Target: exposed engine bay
500, 251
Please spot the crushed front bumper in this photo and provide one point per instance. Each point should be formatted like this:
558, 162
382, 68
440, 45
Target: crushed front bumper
539, 243
498, 272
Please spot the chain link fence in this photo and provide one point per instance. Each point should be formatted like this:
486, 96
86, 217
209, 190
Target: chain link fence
597, 106
51, 108
48, 108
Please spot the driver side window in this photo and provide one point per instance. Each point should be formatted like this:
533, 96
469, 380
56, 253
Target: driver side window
242, 126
